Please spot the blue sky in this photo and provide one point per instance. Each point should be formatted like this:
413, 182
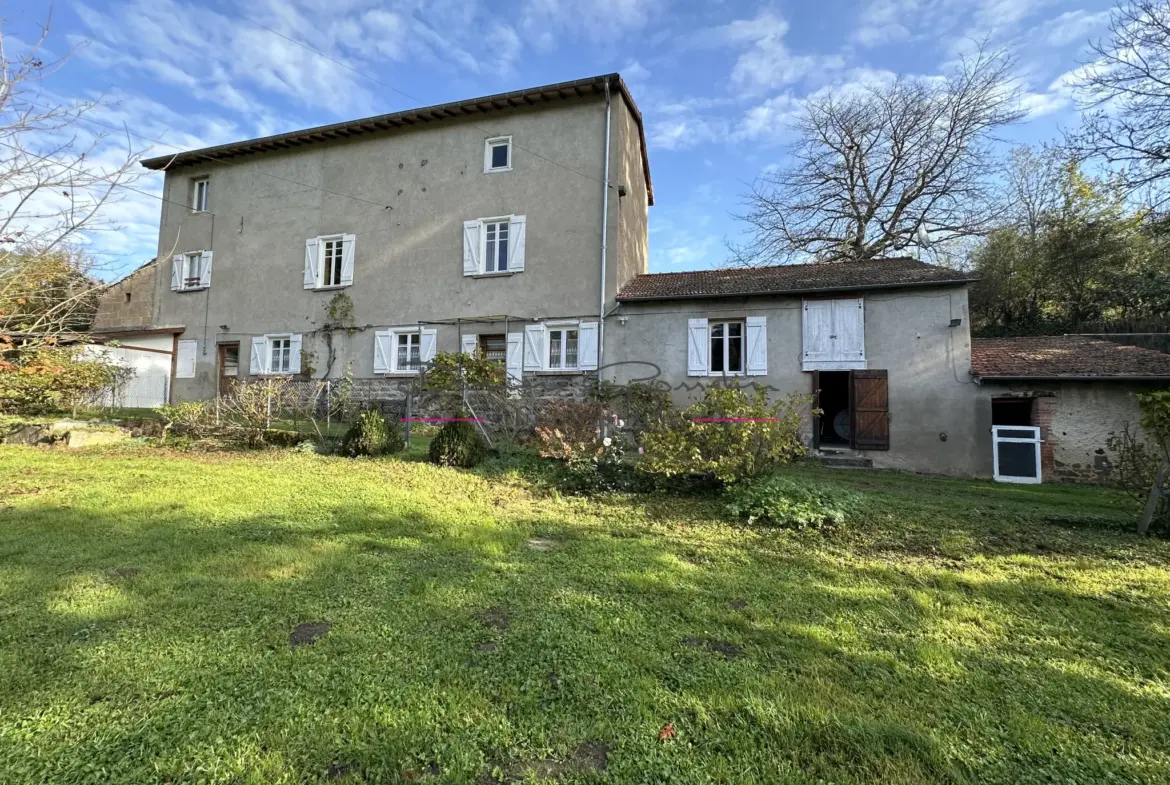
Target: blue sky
716, 81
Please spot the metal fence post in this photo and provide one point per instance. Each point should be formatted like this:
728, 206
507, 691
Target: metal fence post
268, 412
328, 404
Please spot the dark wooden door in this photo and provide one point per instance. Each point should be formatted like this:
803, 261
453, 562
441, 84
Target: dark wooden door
870, 403
229, 366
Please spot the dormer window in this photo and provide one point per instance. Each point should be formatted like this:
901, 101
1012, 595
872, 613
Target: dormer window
497, 154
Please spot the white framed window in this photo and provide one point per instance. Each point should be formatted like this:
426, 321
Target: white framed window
404, 350
562, 348
276, 354
191, 271
497, 154
329, 261
199, 193
494, 246
726, 355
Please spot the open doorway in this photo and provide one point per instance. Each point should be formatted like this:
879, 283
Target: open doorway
834, 423
1011, 411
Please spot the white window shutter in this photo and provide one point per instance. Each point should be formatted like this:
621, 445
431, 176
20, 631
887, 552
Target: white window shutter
294, 354
534, 347
185, 360
177, 273
348, 246
311, 250
259, 361
517, 230
514, 361
587, 346
426, 344
471, 247
467, 343
383, 344
817, 326
205, 269
757, 346
697, 347
849, 329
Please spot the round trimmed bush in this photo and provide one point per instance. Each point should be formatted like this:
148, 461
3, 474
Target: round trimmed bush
371, 435
457, 444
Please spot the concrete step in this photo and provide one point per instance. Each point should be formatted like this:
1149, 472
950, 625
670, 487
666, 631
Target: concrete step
841, 462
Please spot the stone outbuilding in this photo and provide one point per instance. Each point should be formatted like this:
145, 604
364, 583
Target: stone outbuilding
1079, 391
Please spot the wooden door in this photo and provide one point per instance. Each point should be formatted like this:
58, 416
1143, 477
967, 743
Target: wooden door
869, 394
229, 366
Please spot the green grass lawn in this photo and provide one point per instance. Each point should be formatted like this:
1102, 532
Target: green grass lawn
963, 632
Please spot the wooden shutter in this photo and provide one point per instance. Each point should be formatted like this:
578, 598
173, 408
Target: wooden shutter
517, 230
311, 247
697, 347
514, 363
348, 246
294, 354
185, 360
426, 344
471, 247
870, 404
468, 343
383, 345
534, 347
587, 346
205, 269
258, 363
177, 273
849, 330
757, 346
817, 326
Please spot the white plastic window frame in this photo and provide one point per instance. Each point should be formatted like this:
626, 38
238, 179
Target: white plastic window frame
489, 146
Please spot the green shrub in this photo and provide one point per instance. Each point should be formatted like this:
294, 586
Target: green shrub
189, 418
371, 435
730, 435
457, 444
795, 503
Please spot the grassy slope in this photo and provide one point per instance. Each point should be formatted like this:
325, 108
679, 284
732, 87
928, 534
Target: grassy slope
965, 633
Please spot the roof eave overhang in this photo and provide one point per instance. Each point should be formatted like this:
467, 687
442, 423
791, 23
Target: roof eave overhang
796, 292
534, 96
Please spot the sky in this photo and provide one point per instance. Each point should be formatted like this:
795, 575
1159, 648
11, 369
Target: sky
718, 82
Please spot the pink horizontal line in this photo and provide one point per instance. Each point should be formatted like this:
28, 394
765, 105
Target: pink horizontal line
440, 419
734, 419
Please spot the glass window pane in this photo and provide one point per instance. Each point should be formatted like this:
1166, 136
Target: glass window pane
717, 330
735, 328
735, 353
502, 263
499, 156
570, 348
554, 349
717, 355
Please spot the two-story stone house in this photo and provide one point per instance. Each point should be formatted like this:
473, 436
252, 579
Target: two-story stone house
508, 222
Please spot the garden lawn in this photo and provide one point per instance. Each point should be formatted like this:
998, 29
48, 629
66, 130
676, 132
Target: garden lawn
480, 628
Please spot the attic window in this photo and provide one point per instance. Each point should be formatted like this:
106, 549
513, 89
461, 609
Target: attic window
497, 154
128, 296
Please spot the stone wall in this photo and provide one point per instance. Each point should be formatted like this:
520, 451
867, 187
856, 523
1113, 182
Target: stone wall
130, 302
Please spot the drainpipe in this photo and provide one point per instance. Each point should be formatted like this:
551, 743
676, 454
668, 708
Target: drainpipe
604, 233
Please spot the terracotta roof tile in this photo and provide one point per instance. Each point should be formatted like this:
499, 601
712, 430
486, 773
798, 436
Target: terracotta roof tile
790, 279
1069, 356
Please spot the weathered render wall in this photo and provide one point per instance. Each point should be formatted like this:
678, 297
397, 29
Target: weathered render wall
1076, 419
630, 243
129, 302
408, 261
907, 333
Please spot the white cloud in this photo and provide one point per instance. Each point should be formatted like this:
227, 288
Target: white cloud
544, 21
1073, 27
1040, 104
769, 120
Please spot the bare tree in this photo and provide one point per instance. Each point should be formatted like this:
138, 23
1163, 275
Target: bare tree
53, 194
875, 166
1125, 98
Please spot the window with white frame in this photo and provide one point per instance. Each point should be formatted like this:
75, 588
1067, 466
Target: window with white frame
192, 270
280, 354
407, 352
403, 351
726, 355
199, 193
562, 348
495, 246
497, 154
332, 252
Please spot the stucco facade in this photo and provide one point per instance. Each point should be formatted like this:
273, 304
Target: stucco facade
907, 332
404, 195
